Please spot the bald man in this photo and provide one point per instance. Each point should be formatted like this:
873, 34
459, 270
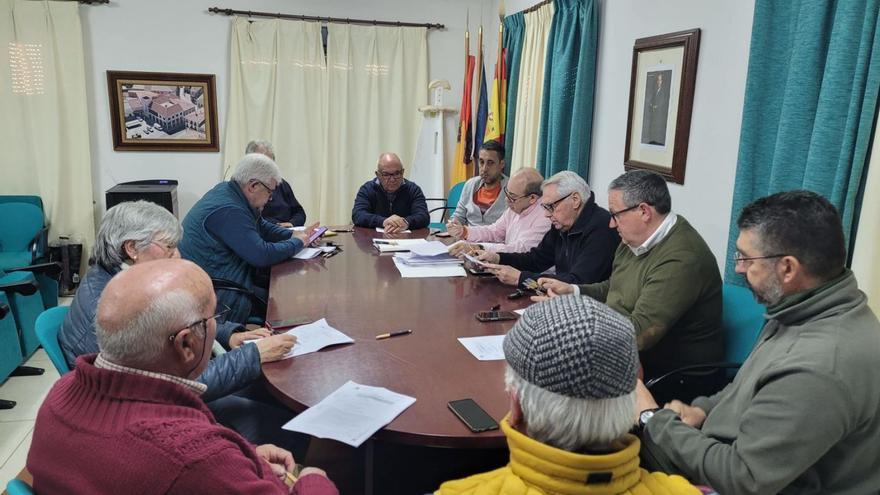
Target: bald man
131, 415
520, 228
390, 201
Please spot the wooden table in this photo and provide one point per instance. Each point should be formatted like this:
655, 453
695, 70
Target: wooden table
361, 293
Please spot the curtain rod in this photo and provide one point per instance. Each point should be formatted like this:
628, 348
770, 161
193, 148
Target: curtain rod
536, 6
217, 10
93, 2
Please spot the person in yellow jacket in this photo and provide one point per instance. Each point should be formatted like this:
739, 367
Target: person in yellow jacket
571, 376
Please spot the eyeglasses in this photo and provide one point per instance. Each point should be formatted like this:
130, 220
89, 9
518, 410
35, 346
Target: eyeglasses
220, 317
168, 249
513, 199
392, 175
551, 207
268, 189
615, 213
739, 259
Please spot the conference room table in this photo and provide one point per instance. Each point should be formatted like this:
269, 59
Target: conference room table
361, 293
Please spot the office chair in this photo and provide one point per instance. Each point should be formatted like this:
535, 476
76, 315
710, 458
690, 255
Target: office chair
47, 326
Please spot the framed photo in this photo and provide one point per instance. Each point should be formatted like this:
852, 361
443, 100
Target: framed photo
661, 98
157, 111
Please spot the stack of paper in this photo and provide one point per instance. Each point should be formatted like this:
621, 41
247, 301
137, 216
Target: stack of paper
408, 270
308, 253
381, 230
313, 337
394, 245
429, 253
351, 414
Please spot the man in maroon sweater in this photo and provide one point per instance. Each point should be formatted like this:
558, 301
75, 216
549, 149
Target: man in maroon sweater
130, 420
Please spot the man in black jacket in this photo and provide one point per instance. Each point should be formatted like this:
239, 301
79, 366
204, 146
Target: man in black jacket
580, 245
390, 201
283, 208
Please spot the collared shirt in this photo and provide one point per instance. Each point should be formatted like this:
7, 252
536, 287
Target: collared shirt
658, 235
513, 232
192, 385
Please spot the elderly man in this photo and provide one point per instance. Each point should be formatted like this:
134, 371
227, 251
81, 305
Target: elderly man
520, 228
571, 377
390, 201
283, 208
481, 200
580, 245
224, 234
665, 279
803, 413
130, 417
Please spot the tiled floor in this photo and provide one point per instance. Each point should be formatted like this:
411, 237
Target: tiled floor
17, 424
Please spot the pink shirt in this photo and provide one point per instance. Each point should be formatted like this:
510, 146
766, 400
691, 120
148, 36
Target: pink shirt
512, 233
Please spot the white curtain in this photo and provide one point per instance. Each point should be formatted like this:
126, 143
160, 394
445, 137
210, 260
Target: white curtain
866, 264
378, 78
278, 92
44, 128
531, 87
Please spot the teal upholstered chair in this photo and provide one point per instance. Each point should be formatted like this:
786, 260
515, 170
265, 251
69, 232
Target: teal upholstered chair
22, 235
47, 326
22, 290
449, 204
10, 349
18, 487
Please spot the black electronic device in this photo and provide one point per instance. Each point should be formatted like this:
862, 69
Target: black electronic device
472, 415
163, 192
495, 315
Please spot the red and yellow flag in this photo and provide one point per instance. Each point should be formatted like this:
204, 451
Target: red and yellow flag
463, 166
498, 100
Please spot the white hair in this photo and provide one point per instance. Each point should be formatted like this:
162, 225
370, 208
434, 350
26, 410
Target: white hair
568, 182
260, 146
139, 221
570, 423
141, 339
256, 167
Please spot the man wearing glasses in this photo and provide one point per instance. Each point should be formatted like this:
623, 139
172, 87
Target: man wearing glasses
389, 201
665, 279
482, 201
803, 413
132, 416
224, 234
580, 245
520, 228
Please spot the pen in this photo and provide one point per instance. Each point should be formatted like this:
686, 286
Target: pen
290, 478
384, 241
393, 334
495, 308
269, 326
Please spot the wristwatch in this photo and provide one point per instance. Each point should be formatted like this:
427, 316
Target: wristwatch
646, 416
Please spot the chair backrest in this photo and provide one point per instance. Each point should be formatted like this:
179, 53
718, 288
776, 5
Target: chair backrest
48, 324
742, 319
19, 224
18, 487
454, 195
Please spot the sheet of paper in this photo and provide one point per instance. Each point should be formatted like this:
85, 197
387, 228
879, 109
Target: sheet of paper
519, 311
431, 248
351, 414
307, 253
413, 259
395, 245
314, 337
427, 271
297, 229
407, 231
485, 348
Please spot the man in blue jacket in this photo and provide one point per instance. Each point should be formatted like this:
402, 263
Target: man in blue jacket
390, 201
225, 235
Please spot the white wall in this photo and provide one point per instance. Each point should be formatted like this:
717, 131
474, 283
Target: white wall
177, 36
705, 197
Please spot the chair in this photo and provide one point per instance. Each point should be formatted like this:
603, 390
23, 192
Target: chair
10, 349
451, 199
18, 487
22, 290
22, 234
47, 326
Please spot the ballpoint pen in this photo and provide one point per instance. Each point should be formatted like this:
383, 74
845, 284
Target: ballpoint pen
393, 334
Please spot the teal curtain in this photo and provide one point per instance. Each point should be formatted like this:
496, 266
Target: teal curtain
569, 81
811, 96
514, 26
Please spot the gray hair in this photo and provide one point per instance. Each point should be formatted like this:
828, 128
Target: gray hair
569, 423
256, 167
643, 186
260, 146
568, 182
141, 339
139, 221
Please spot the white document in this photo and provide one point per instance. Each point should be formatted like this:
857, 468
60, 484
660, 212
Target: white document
351, 414
427, 271
488, 348
520, 311
431, 248
407, 231
414, 260
297, 229
314, 337
307, 253
395, 245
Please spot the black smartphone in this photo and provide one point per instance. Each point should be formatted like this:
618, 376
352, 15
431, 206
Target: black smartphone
277, 325
495, 315
316, 234
472, 415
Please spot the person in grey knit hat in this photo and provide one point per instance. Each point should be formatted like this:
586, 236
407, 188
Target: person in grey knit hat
571, 375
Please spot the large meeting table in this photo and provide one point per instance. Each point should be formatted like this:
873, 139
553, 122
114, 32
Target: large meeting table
361, 293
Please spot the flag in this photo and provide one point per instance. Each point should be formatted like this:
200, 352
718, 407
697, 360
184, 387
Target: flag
497, 119
482, 103
462, 168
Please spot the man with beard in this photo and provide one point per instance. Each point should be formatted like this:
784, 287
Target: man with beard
803, 413
481, 200
389, 201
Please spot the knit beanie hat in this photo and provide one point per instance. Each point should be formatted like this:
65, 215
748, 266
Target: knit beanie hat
576, 347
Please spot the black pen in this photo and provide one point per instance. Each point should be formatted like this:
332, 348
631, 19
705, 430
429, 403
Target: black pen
495, 308
393, 334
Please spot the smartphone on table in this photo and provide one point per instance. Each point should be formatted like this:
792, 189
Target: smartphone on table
286, 324
495, 315
316, 234
472, 415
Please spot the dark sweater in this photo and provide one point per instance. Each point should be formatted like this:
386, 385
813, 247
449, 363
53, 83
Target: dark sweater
373, 205
283, 207
582, 255
103, 431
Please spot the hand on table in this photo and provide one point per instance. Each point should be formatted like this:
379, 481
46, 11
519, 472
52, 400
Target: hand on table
553, 287
274, 347
460, 248
506, 274
456, 229
486, 256
238, 338
394, 224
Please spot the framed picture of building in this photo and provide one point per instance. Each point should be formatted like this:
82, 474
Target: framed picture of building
158, 111
661, 98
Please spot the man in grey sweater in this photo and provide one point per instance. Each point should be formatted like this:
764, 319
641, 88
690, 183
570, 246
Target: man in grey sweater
803, 413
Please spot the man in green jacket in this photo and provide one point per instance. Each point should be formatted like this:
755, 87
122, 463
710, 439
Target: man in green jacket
803, 413
664, 279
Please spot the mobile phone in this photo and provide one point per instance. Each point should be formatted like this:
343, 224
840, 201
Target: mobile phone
474, 260
316, 234
472, 415
495, 315
442, 234
284, 324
